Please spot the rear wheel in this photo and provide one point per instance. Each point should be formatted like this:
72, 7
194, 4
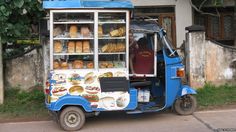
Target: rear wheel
72, 118
185, 105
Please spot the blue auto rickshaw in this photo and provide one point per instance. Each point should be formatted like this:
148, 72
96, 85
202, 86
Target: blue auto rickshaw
90, 53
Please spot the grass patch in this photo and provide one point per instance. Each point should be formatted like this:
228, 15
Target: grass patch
21, 104
211, 95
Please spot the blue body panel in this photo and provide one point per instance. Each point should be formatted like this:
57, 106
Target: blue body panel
173, 83
63, 4
70, 100
186, 90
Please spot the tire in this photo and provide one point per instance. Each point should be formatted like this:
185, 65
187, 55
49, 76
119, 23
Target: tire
72, 118
185, 105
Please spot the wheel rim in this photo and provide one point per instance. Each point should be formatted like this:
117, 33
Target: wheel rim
186, 103
72, 119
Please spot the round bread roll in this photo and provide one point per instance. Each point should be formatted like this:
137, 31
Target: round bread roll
78, 47
57, 46
78, 64
90, 65
56, 65
64, 65
73, 32
71, 47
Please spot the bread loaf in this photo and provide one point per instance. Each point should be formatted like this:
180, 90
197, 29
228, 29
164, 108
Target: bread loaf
86, 46
71, 47
84, 31
73, 32
100, 30
78, 47
57, 46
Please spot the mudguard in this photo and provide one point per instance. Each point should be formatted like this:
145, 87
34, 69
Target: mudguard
70, 100
187, 90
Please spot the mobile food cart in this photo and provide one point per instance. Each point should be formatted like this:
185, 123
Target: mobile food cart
89, 63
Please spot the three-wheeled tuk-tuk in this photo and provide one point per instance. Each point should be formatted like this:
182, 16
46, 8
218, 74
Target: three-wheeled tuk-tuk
102, 61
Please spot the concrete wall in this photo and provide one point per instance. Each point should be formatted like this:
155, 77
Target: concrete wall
26, 71
207, 61
183, 14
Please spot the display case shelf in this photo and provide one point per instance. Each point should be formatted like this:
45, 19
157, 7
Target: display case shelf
83, 22
73, 53
111, 22
111, 38
115, 53
73, 38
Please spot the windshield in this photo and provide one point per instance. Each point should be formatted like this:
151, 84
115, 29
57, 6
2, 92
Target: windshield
166, 44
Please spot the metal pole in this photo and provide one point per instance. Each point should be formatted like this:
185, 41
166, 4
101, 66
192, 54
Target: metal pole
1, 75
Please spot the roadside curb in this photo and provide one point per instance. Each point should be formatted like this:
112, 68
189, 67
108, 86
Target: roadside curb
215, 111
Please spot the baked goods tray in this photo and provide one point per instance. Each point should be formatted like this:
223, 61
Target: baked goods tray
108, 37
73, 53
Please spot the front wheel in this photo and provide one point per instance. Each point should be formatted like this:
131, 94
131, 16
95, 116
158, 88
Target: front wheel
72, 118
185, 105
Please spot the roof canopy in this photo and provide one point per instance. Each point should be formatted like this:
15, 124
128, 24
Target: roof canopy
68, 4
144, 26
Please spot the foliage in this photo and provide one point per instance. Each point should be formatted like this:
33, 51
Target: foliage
17, 18
23, 104
211, 95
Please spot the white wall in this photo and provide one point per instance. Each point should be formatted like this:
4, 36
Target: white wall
183, 14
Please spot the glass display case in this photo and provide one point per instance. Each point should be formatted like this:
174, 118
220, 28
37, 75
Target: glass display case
89, 39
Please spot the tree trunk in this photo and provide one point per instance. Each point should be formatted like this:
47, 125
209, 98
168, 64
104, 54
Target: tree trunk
235, 24
1, 75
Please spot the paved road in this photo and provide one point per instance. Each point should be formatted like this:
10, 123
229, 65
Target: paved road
206, 121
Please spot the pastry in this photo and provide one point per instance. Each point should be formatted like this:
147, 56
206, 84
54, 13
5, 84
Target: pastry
56, 65
100, 30
90, 65
78, 64
84, 31
118, 32
78, 47
86, 46
120, 47
57, 46
71, 47
64, 65
73, 32
106, 64
105, 48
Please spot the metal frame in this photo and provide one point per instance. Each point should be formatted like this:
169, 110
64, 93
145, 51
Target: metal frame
96, 14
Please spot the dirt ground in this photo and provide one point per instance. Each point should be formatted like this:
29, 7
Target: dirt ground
47, 118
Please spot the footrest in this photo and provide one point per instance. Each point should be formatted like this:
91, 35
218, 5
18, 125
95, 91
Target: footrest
140, 84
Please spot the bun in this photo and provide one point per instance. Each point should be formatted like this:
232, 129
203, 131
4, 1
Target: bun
90, 65
56, 65
73, 32
71, 47
64, 65
57, 46
86, 46
78, 47
78, 64
106, 64
84, 31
